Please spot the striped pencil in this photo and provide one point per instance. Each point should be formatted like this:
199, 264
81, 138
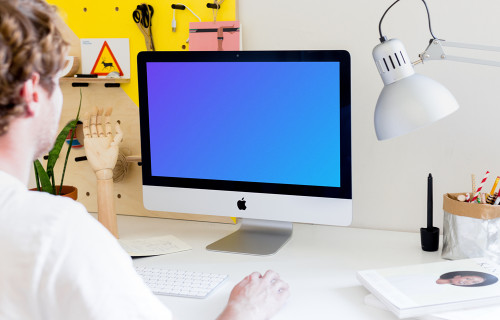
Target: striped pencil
480, 186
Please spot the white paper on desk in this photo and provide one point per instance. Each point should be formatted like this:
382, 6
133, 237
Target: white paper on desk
153, 246
484, 313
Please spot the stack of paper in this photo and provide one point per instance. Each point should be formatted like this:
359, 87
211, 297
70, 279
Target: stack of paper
435, 290
485, 313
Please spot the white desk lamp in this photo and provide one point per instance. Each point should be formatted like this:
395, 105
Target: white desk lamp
409, 100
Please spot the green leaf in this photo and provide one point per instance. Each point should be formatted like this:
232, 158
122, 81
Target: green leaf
44, 177
37, 178
56, 150
73, 135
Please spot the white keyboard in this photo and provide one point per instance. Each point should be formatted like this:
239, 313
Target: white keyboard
180, 283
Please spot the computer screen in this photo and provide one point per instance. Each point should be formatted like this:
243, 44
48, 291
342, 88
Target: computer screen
248, 134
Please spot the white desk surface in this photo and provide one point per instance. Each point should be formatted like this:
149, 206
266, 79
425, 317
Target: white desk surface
319, 263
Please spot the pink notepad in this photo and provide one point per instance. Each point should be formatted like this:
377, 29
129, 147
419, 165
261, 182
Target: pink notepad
218, 36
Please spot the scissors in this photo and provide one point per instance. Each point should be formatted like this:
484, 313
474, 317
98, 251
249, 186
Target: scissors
142, 16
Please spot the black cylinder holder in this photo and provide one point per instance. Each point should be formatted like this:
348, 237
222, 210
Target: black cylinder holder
213, 6
178, 6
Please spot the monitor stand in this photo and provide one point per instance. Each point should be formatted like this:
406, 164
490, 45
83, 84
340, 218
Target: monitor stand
257, 237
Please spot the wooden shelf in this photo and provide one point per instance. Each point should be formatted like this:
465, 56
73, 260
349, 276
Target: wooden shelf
85, 82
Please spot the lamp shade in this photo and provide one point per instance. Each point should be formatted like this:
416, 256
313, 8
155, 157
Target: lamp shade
408, 100
411, 103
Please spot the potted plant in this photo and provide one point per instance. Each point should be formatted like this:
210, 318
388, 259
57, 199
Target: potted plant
45, 179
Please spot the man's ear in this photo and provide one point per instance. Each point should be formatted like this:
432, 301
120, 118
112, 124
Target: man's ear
30, 94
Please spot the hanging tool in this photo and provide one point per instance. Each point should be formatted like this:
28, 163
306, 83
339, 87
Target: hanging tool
215, 7
143, 15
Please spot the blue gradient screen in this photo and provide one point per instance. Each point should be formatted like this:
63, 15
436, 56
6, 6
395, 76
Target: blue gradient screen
266, 122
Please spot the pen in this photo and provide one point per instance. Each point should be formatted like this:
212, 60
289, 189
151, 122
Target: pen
429, 202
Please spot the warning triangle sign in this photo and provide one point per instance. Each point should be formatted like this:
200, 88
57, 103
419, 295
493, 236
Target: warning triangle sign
106, 62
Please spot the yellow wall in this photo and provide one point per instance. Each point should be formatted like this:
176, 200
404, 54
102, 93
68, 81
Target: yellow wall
113, 19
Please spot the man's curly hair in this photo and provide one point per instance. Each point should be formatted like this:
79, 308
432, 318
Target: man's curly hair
29, 42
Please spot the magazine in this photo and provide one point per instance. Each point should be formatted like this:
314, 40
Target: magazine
483, 313
418, 290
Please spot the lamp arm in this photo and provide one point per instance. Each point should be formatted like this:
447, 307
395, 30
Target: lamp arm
435, 51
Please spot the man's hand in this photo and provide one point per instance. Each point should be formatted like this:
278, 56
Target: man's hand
100, 146
256, 297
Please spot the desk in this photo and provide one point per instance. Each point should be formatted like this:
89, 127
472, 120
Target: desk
319, 263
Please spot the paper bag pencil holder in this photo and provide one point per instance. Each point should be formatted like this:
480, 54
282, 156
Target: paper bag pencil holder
470, 230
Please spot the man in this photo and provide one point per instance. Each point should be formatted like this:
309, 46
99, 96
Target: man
57, 261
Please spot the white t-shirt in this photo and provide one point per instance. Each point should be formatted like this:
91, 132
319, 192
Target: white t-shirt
58, 262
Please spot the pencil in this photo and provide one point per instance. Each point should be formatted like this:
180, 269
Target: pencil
492, 196
495, 185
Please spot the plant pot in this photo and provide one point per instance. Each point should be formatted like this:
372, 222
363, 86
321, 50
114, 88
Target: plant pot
66, 191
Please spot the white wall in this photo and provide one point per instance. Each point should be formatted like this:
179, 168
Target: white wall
390, 177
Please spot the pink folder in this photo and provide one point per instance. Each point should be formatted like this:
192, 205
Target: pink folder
218, 36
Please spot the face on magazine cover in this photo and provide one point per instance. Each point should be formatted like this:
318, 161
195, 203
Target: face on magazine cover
467, 279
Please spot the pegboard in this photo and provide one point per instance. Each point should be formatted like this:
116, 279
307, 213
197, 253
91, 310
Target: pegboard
113, 19
128, 192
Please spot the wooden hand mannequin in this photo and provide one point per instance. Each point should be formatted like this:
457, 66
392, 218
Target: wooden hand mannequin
102, 152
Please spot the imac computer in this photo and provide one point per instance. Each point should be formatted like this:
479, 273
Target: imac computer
264, 136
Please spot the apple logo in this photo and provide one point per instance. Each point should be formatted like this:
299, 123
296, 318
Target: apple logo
241, 204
